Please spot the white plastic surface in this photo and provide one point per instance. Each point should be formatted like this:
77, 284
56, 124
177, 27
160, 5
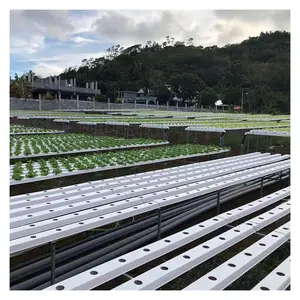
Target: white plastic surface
232, 269
26, 242
113, 268
278, 279
164, 273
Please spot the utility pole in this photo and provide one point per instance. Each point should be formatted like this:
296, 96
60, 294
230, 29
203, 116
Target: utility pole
242, 104
199, 102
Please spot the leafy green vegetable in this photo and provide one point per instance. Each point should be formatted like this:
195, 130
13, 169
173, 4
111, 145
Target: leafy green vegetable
44, 167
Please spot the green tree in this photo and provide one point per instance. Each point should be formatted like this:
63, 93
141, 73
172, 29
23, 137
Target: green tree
186, 86
20, 88
233, 97
261, 63
208, 98
163, 94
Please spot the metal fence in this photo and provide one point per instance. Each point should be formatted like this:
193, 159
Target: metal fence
66, 104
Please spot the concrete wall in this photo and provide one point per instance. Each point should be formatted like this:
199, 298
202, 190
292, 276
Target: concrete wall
32, 104
128, 95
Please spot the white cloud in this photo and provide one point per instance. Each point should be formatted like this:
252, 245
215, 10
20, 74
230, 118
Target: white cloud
29, 28
33, 31
48, 23
83, 23
45, 66
68, 57
234, 26
140, 26
83, 41
44, 69
133, 26
27, 46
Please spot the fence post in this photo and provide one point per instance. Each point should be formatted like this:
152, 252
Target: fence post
167, 105
108, 103
77, 102
40, 105
176, 105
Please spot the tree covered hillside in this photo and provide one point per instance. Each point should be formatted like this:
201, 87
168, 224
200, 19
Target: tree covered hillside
259, 65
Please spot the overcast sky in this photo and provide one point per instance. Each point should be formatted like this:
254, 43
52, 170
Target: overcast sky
49, 41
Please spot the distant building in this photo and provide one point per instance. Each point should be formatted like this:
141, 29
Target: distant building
138, 97
220, 104
55, 88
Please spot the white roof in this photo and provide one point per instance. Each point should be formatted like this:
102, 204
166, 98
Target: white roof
176, 99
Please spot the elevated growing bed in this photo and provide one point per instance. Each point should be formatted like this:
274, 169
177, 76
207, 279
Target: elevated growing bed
175, 134
78, 176
45, 146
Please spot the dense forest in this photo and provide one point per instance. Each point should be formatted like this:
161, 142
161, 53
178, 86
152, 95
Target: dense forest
259, 67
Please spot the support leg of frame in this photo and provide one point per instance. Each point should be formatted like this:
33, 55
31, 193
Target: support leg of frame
53, 250
248, 145
242, 144
218, 201
127, 276
159, 225
261, 187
